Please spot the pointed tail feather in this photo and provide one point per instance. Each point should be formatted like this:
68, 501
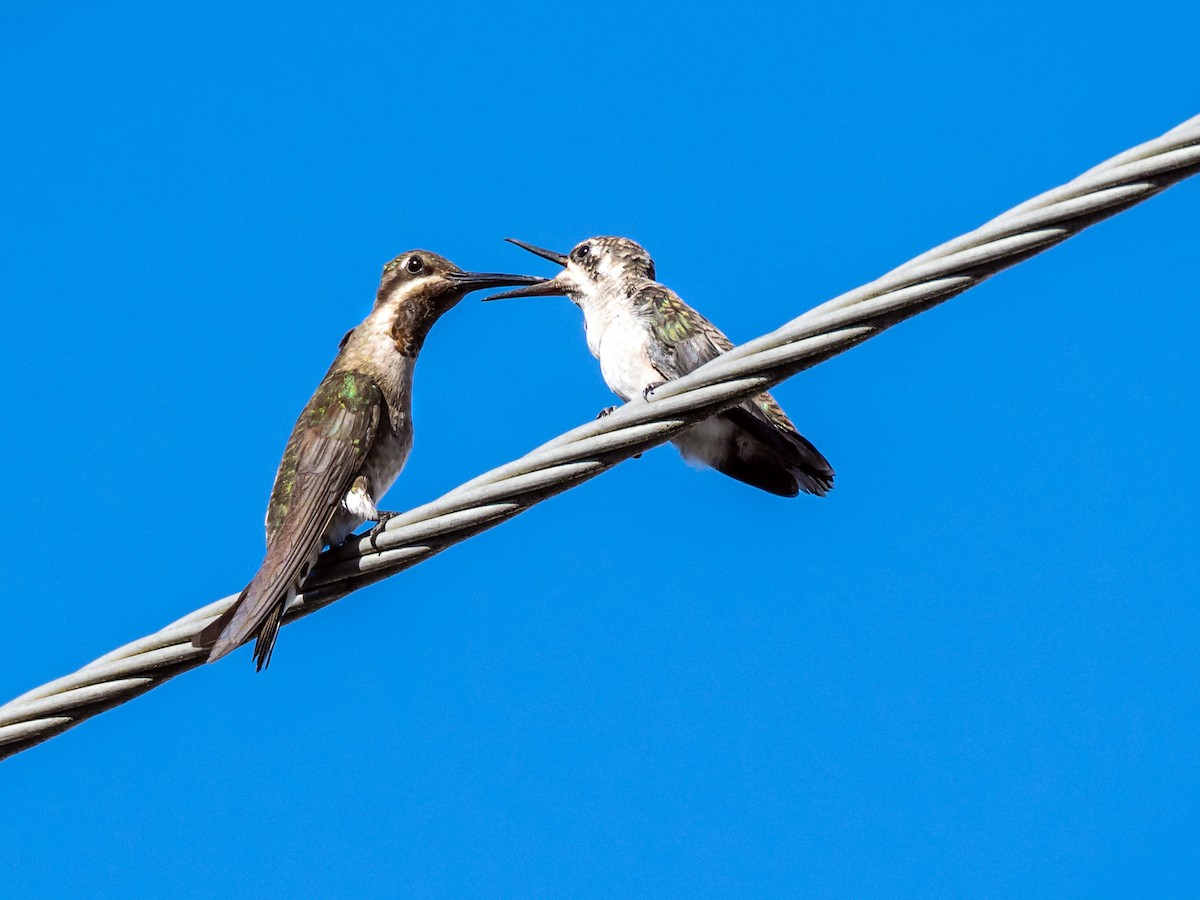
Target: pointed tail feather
784, 463
762, 471
258, 611
268, 632
813, 473
256, 614
249, 617
766, 470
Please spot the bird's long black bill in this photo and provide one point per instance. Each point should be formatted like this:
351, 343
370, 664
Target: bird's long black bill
476, 281
547, 287
560, 258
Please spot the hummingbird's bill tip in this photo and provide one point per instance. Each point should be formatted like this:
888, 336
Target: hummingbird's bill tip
560, 258
546, 287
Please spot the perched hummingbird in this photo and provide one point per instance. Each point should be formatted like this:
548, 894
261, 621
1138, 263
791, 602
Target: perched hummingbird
644, 335
349, 444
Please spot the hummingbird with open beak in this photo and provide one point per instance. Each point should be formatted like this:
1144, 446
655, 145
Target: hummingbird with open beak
644, 335
349, 444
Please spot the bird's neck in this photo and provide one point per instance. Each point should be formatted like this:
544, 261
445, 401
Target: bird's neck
385, 347
602, 303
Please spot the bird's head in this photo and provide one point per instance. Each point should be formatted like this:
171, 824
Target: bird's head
419, 286
592, 266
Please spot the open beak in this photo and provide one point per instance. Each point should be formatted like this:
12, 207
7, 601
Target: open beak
477, 281
546, 287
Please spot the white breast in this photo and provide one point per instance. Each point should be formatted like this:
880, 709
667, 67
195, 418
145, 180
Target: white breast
624, 358
618, 337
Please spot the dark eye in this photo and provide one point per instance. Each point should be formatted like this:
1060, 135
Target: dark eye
415, 264
582, 252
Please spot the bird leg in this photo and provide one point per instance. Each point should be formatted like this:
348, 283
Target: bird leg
360, 502
381, 520
609, 410
650, 389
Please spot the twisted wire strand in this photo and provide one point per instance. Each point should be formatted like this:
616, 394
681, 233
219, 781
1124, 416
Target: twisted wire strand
584, 452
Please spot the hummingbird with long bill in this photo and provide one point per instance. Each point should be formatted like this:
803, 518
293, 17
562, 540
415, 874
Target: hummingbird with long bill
349, 444
644, 335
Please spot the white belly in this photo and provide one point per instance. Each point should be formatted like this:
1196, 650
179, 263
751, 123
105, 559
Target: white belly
623, 359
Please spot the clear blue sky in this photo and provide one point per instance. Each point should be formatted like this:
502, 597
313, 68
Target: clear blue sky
970, 671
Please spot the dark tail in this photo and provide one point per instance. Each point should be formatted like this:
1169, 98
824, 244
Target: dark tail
268, 632
258, 611
234, 628
813, 473
778, 461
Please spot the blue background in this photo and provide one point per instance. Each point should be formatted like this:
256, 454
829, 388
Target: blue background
972, 670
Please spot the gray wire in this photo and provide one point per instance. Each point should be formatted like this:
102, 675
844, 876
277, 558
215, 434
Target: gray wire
585, 452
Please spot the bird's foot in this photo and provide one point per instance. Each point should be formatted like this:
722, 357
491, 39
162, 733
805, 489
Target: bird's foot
607, 411
651, 388
380, 521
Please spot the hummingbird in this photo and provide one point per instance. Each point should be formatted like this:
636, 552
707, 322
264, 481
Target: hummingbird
349, 444
644, 336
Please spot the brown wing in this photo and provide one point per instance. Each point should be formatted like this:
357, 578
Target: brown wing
326, 450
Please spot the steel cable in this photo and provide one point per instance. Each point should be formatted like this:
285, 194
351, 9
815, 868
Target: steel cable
583, 453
